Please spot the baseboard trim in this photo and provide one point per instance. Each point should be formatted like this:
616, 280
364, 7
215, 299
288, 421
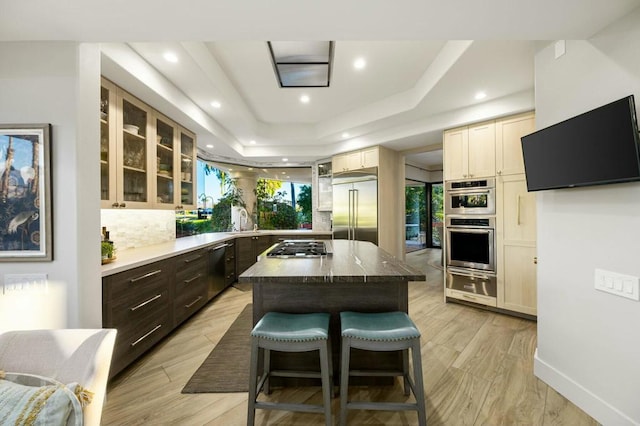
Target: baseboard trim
597, 408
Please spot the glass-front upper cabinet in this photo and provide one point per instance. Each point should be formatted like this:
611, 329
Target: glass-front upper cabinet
133, 187
165, 160
146, 159
187, 169
107, 144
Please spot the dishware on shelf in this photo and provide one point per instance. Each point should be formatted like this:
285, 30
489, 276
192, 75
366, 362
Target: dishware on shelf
131, 128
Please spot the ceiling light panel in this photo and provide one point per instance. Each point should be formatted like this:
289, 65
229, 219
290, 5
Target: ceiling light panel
302, 63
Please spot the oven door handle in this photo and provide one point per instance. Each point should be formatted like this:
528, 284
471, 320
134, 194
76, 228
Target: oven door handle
454, 192
470, 230
468, 274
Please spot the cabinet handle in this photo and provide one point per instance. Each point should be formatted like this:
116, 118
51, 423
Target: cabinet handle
122, 205
499, 172
465, 296
518, 210
150, 274
193, 259
115, 205
156, 297
535, 260
193, 303
192, 279
146, 335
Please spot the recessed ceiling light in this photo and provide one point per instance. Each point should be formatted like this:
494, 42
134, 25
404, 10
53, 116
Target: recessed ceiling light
216, 104
345, 135
359, 63
249, 168
480, 95
285, 159
252, 142
170, 57
284, 173
209, 146
288, 177
305, 99
230, 170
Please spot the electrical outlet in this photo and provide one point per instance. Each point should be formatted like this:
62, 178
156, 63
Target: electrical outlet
14, 283
619, 284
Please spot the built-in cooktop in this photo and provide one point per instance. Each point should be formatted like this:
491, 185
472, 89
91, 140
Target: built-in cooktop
299, 248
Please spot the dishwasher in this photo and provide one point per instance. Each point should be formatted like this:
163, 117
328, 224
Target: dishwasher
216, 268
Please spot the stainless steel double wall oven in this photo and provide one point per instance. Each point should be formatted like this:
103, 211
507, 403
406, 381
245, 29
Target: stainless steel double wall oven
470, 208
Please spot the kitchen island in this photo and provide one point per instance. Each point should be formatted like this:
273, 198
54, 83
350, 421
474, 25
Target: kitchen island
356, 276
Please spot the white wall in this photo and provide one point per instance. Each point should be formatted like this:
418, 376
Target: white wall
58, 83
589, 341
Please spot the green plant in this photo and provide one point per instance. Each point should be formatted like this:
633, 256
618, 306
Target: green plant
107, 249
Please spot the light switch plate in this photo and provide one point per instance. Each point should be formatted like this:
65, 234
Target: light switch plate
619, 284
24, 282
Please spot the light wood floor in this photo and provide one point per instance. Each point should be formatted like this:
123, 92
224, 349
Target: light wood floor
478, 370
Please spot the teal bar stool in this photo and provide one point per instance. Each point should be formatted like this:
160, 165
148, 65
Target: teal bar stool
290, 333
386, 331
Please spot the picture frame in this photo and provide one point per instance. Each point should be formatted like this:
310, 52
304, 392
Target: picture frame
25, 193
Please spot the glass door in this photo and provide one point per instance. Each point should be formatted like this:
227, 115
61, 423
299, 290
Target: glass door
437, 214
134, 153
165, 193
108, 155
187, 169
416, 215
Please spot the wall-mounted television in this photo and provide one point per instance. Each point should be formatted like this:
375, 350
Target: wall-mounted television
597, 147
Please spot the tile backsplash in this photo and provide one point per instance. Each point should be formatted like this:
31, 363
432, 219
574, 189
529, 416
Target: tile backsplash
138, 228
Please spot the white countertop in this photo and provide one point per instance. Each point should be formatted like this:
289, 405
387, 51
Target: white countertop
133, 258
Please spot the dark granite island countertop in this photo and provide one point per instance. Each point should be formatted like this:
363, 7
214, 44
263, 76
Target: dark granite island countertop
351, 261
357, 276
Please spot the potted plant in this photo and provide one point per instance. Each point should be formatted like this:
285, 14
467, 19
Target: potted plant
108, 251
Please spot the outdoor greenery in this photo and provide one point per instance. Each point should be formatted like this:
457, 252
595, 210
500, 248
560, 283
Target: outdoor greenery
221, 212
304, 203
274, 208
416, 208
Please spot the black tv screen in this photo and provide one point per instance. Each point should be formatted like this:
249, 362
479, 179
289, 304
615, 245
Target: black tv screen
598, 147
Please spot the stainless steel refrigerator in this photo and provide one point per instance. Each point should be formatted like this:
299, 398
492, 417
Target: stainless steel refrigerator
355, 205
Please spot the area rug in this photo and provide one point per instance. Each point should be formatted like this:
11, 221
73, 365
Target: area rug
226, 368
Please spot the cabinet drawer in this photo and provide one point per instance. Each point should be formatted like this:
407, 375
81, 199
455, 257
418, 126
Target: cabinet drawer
130, 345
127, 313
188, 304
139, 281
470, 297
187, 264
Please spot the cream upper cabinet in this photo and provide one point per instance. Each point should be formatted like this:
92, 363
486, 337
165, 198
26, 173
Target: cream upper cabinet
355, 160
456, 142
516, 222
469, 152
508, 145
146, 159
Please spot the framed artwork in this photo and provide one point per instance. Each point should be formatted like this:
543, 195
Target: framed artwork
25, 193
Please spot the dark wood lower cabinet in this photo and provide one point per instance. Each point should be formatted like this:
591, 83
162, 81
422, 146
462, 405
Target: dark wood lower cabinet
138, 304
146, 303
190, 285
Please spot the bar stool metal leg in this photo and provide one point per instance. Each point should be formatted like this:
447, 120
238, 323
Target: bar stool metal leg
344, 379
253, 383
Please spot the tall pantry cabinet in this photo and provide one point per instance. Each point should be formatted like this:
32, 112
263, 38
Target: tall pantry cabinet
515, 219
